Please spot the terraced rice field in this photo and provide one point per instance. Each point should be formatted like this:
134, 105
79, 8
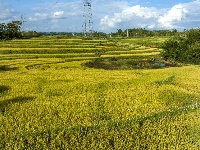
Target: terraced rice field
50, 100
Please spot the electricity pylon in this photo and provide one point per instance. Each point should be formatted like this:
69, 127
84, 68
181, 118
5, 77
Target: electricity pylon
87, 19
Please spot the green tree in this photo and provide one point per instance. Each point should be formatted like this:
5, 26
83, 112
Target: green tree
10, 30
119, 31
185, 48
13, 30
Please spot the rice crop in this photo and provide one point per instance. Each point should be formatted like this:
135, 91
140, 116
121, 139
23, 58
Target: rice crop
52, 101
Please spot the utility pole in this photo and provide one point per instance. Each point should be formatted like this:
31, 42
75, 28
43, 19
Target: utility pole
127, 33
87, 19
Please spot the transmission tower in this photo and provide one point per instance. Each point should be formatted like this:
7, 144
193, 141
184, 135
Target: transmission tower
87, 18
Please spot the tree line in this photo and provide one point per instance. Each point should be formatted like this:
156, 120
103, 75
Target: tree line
12, 29
142, 32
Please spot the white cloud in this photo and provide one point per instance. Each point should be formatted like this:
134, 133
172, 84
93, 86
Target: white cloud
7, 13
179, 16
192, 18
175, 14
38, 16
41, 15
152, 26
58, 14
110, 22
135, 14
143, 12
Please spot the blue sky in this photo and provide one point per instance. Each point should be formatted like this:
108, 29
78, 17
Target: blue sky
108, 16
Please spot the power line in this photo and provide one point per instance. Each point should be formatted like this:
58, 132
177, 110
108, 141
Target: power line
44, 10
69, 6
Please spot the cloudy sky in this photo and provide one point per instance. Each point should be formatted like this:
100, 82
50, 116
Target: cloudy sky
108, 15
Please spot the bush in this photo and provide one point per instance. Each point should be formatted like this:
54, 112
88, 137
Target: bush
185, 49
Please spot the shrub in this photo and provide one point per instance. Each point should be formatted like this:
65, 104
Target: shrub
183, 49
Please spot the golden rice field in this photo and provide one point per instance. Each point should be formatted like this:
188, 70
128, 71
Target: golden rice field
50, 100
